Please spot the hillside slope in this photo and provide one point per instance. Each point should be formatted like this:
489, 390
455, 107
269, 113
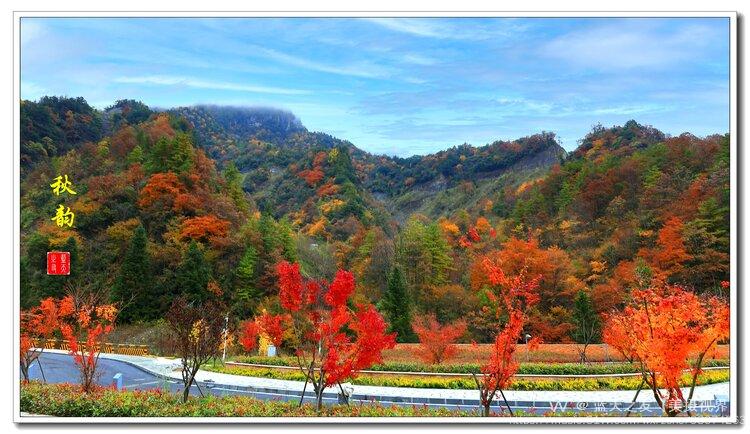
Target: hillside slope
205, 203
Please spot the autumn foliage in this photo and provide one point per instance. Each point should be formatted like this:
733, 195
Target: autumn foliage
204, 228
36, 325
165, 190
436, 341
312, 176
84, 323
669, 255
272, 326
668, 330
513, 295
330, 340
197, 333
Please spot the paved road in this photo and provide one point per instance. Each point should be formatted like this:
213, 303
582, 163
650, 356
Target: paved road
60, 368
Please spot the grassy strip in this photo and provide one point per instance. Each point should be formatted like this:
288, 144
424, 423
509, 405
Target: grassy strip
66, 400
467, 368
630, 383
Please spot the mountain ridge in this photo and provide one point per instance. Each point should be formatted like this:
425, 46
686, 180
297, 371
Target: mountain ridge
626, 199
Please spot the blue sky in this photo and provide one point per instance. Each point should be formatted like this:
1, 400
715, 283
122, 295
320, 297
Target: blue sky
400, 86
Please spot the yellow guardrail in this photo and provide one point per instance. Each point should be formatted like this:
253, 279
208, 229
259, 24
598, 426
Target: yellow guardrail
107, 347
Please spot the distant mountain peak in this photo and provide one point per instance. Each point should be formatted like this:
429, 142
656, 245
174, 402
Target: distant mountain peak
245, 121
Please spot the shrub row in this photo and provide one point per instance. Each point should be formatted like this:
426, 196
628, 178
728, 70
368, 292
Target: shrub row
66, 400
467, 368
629, 383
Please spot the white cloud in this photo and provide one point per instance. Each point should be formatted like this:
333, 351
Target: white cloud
525, 106
32, 91
414, 26
362, 70
415, 80
418, 59
629, 45
30, 30
457, 29
164, 80
629, 110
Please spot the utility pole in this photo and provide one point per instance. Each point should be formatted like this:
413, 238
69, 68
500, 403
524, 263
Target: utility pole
526, 341
226, 335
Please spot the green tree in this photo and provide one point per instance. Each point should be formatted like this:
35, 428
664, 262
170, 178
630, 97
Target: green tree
411, 255
424, 253
193, 275
136, 155
286, 238
246, 293
233, 178
35, 283
707, 243
181, 158
171, 155
587, 323
132, 287
439, 252
397, 305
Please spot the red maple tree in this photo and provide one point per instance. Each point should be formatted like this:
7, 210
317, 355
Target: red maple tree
330, 340
669, 256
436, 341
249, 331
85, 323
668, 331
513, 296
37, 324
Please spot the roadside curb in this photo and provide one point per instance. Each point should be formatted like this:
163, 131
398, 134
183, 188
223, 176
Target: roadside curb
262, 392
465, 375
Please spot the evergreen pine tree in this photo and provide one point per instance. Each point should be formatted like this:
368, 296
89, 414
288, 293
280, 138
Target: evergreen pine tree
136, 155
286, 239
246, 293
132, 286
193, 275
396, 304
587, 324
439, 251
35, 282
233, 178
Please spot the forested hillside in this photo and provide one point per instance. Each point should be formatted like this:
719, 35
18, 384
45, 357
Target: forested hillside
204, 201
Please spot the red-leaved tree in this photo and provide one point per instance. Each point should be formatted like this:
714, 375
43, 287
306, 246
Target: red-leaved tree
85, 323
513, 296
249, 335
37, 324
668, 331
436, 341
330, 340
272, 326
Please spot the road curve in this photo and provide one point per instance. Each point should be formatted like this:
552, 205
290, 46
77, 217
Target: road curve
60, 368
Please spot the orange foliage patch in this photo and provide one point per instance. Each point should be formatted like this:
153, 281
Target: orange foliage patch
436, 341
158, 128
204, 228
311, 176
328, 189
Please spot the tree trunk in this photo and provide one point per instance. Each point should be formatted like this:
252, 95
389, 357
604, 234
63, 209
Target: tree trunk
319, 401
486, 409
186, 391
510, 410
640, 386
25, 372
